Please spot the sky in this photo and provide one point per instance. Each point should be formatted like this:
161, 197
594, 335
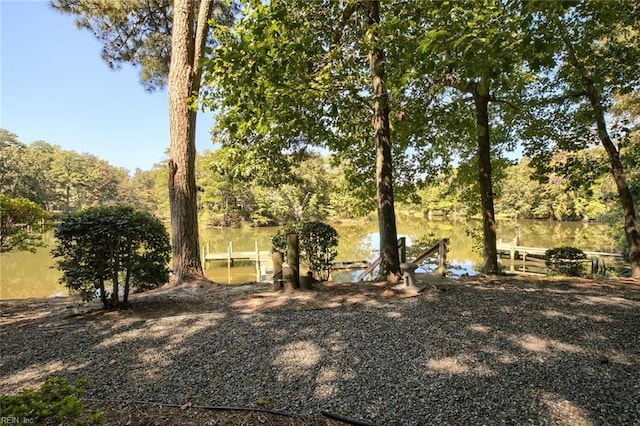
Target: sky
55, 87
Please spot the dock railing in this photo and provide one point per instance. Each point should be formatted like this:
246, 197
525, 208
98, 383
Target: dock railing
440, 247
598, 260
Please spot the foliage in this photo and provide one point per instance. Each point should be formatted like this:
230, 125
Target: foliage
563, 196
119, 27
56, 400
565, 260
168, 40
57, 179
22, 223
317, 243
101, 244
593, 50
314, 190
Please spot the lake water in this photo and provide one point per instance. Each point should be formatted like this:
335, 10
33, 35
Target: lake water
24, 275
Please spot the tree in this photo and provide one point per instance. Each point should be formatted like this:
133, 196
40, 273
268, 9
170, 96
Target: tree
142, 190
188, 40
11, 161
168, 40
290, 75
390, 264
226, 196
318, 242
306, 196
137, 32
475, 49
101, 245
596, 48
22, 223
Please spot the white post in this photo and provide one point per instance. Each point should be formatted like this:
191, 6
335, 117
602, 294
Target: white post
258, 272
512, 258
229, 250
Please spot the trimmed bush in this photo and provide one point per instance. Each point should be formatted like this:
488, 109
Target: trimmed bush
565, 260
116, 245
317, 242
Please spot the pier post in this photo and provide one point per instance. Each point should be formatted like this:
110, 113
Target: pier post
278, 278
512, 259
442, 256
258, 271
402, 249
293, 261
229, 250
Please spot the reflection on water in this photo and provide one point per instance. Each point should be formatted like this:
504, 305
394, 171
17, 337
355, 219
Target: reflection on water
24, 275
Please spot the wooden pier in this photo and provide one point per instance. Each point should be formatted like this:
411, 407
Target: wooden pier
599, 260
261, 258
263, 262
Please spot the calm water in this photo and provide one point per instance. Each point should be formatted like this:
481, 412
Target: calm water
24, 275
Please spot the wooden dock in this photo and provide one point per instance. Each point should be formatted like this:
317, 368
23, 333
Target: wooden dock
599, 260
261, 258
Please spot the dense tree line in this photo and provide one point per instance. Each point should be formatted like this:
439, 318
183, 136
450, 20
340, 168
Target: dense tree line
520, 195
56, 179
63, 181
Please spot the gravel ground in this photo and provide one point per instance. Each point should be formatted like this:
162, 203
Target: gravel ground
481, 351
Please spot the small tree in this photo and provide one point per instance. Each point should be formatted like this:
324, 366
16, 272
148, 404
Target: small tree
112, 244
318, 242
21, 224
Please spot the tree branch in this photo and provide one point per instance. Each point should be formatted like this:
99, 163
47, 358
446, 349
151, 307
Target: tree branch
202, 31
347, 13
450, 81
510, 104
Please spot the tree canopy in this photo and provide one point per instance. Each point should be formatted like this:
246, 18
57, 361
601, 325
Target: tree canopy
22, 223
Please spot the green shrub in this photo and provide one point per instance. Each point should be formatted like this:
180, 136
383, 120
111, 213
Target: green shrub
116, 245
317, 243
56, 399
565, 260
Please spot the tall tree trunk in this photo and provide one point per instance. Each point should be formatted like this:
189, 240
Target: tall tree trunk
489, 250
624, 194
390, 266
187, 49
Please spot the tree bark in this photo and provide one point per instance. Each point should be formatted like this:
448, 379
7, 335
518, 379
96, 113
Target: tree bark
390, 266
624, 194
489, 250
187, 48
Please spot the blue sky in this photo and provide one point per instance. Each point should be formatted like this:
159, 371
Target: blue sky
56, 88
